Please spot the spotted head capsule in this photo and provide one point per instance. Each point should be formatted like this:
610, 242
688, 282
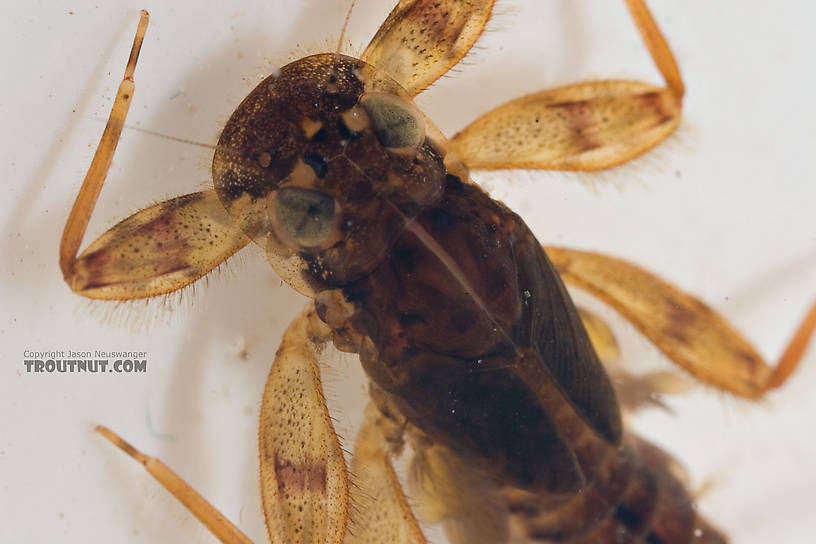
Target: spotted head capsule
322, 164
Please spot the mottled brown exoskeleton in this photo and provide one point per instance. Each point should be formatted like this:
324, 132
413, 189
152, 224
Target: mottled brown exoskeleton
477, 357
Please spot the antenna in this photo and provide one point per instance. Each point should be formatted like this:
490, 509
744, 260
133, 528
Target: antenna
173, 138
223, 149
345, 24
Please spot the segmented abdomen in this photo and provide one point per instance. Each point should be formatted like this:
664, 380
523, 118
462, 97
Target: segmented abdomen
636, 495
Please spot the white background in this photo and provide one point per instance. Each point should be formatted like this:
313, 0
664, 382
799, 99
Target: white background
724, 210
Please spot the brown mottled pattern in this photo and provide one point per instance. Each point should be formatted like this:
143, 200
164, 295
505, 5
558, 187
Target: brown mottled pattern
270, 121
686, 330
264, 146
458, 316
304, 482
581, 119
422, 39
663, 104
159, 249
299, 477
587, 126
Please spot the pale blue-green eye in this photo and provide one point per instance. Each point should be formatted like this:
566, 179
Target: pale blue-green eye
304, 216
396, 122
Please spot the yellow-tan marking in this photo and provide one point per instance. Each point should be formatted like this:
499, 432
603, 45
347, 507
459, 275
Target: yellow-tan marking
690, 333
422, 39
304, 482
590, 126
158, 250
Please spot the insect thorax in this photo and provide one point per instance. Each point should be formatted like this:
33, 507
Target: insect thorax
445, 293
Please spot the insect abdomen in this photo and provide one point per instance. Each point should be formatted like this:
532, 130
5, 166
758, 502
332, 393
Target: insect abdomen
634, 494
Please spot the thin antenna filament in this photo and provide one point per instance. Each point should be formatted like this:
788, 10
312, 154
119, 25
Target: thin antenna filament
345, 24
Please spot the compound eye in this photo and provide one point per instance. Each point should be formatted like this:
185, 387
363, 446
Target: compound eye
397, 123
304, 217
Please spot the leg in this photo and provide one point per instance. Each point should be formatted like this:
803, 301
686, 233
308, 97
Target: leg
305, 490
422, 39
92, 184
634, 391
658, 48
215, 521
155, 251
690, 333
444, 488
304, 481
451, 491
588, 126
380, 512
